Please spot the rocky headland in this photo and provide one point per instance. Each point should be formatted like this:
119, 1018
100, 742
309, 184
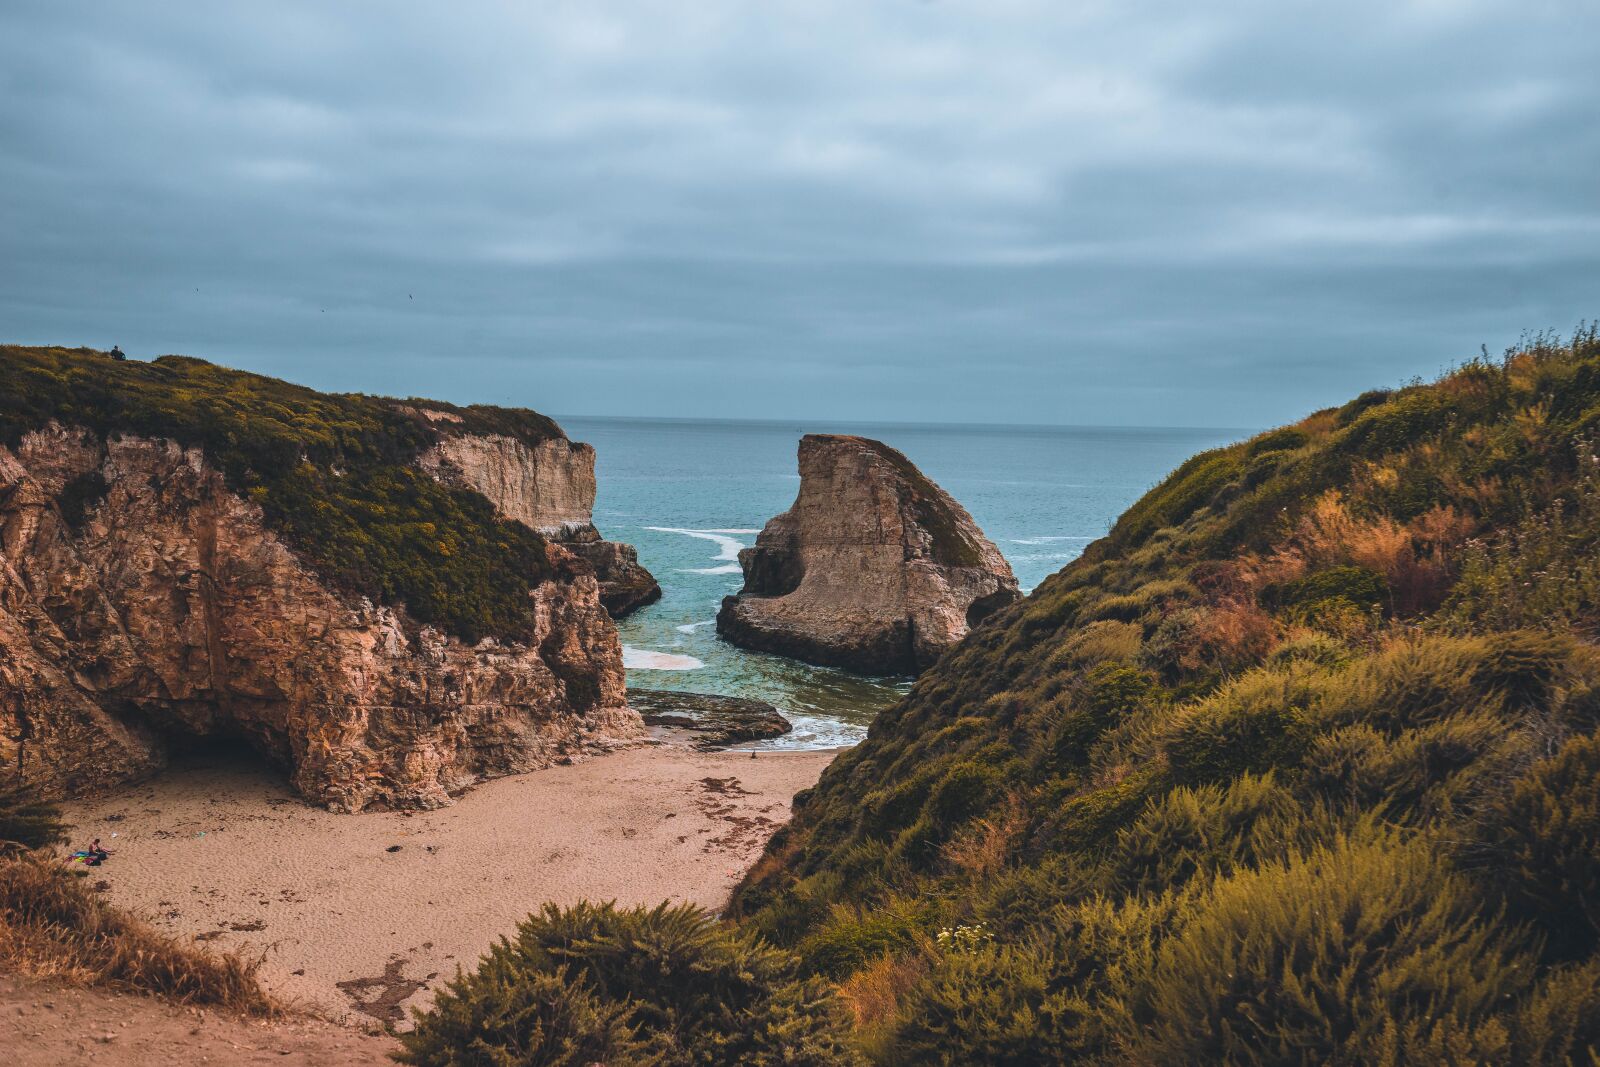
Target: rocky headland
187, 551
547, 485
873, 569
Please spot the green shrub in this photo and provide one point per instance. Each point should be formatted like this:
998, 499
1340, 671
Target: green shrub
792, 911
1255, 724
1411, 683
505, 1015
1311, 647
670, 980
1363, 588
1522, 669
1088, 821
1014, 901
1412, 777
1544, 840
964, 792
1115, 609
1109, 694
1403, 419
1369, 399
1283, 439
888, 811
981, 1007
1209, 829
853, 936
1186, 490
1354, 954
1560, 1022
1054, 997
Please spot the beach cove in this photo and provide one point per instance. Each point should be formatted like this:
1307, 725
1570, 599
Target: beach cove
359, 917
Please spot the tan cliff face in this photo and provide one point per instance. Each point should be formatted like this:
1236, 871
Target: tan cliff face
549, 486
874, 568
170, 611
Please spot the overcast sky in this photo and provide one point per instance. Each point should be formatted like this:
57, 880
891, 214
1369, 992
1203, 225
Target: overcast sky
995, 211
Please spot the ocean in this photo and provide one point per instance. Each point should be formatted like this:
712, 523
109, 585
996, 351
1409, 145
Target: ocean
690, 493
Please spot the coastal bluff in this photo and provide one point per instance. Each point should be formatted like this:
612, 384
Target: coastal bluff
874, 568
189, 552
548, 486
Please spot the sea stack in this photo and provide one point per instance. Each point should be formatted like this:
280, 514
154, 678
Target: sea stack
547, 485
874, 568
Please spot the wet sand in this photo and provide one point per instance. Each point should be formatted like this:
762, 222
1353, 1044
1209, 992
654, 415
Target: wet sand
357, 916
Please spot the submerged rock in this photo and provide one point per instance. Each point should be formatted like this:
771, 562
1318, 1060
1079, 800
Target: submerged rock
874, 568
719, 721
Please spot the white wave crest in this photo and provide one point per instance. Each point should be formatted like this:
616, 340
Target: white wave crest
1048, 540
691, 627
726, 568
730, 545
814, 732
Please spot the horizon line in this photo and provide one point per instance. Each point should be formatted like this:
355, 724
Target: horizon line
901, 423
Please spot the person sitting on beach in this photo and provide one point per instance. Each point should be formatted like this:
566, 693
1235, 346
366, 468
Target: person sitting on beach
97, 855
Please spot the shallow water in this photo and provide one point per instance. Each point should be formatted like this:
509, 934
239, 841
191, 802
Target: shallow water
689, 494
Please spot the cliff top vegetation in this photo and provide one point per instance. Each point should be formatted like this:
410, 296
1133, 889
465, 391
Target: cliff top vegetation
1298, 764
333, 474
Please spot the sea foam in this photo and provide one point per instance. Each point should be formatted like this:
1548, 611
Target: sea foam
729, 544
1048, 540
645, 659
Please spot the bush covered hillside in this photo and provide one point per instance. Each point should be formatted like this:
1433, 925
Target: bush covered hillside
332, 472
1298, 765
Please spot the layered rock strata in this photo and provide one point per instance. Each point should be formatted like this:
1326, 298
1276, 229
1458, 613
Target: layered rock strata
874, 568
157, 605
549, 486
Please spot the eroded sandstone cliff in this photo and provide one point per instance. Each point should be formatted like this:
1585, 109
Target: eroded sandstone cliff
548, 485
150, 593
874, 568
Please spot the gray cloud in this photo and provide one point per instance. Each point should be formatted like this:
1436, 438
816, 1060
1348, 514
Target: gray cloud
976, 211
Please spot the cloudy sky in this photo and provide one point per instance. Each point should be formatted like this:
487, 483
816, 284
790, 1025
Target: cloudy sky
986, 211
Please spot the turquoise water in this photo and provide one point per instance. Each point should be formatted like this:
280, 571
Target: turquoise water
689, 494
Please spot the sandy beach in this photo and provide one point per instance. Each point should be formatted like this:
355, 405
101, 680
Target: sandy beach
358, 916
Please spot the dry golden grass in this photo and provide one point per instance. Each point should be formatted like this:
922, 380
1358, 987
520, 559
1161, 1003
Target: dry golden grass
53, 926
985, 846
1230, 632
875, 992
1413, 558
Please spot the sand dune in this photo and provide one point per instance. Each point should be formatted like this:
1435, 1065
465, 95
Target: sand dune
358, 916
